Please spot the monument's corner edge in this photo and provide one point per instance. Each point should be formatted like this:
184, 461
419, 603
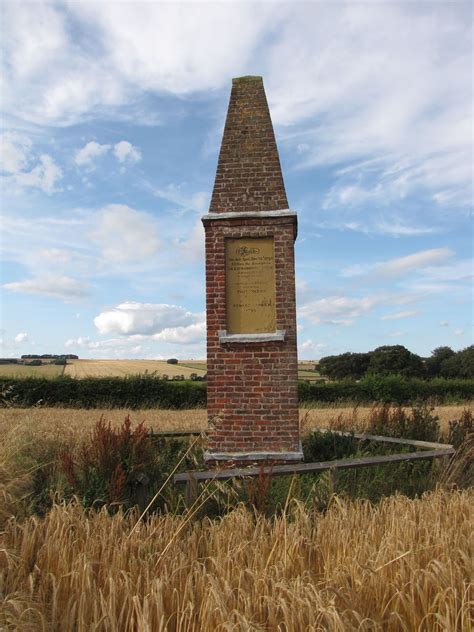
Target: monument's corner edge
275, 336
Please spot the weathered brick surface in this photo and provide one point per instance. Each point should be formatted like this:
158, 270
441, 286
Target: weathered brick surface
252, 387
248, 174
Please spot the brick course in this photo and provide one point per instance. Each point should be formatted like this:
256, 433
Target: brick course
252, 387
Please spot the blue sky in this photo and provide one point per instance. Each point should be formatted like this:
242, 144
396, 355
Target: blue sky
112, 117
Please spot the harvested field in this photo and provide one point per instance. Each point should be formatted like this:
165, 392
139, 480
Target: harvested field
74, 422
22, 370
121, 368
397, 566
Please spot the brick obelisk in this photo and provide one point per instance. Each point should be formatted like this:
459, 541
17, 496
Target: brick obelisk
252, 377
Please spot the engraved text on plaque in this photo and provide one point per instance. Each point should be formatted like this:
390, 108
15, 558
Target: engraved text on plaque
250, 285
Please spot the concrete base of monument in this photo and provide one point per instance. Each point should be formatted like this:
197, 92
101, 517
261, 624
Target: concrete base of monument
244, 459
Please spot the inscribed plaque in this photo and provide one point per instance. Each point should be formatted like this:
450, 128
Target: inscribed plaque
250, 285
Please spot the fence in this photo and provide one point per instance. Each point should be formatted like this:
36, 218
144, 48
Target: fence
429, 450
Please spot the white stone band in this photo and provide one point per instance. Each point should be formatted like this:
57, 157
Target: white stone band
253, 456
249, 214
276, 336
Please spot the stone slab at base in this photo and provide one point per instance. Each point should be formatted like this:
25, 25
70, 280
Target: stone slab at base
252, 457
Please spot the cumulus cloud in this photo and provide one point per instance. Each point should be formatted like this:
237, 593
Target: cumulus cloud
147, 319
16, 155
125, 234
191, 334
56, 286
43, 176
123, 151
86, 156
21, 337
15, 152
338, 310
126, 152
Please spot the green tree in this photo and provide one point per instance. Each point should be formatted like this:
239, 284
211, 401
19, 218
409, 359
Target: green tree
396, 359
461, 364
438, 356
345, 365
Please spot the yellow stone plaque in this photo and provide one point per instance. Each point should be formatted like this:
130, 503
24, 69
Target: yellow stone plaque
250, 285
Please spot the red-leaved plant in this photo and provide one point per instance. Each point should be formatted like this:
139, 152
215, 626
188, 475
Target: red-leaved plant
113, 467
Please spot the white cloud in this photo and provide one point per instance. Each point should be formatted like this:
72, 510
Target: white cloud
462, 270
15, 150
193, 247
416, 261
54, 255
191, 334
338, 310
444, 323
21, 337
123, 151
16, 155
352, 53
144, 319
164, 47
82, 341
125, 234
177, 195
421, 261
314, 347
86, 156
398, 315
458, 332
56, 286
126, 152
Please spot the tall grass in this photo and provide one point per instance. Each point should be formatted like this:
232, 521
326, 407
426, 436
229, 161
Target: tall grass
401, 565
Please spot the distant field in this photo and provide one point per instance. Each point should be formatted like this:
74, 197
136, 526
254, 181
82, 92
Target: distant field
120, 368
20, 370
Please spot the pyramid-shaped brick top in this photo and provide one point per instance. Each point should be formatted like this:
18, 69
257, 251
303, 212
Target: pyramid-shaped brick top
248, 174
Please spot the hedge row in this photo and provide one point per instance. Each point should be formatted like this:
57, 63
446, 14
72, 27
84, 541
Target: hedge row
135, 391
147, 391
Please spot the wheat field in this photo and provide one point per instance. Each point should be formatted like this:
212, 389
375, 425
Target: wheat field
402, 565
74, 423
121, 368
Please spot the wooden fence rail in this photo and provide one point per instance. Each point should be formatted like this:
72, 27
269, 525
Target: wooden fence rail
429, 450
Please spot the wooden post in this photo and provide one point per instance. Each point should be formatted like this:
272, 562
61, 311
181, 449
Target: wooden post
191, 490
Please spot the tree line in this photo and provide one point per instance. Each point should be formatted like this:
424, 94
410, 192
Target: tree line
398, 360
